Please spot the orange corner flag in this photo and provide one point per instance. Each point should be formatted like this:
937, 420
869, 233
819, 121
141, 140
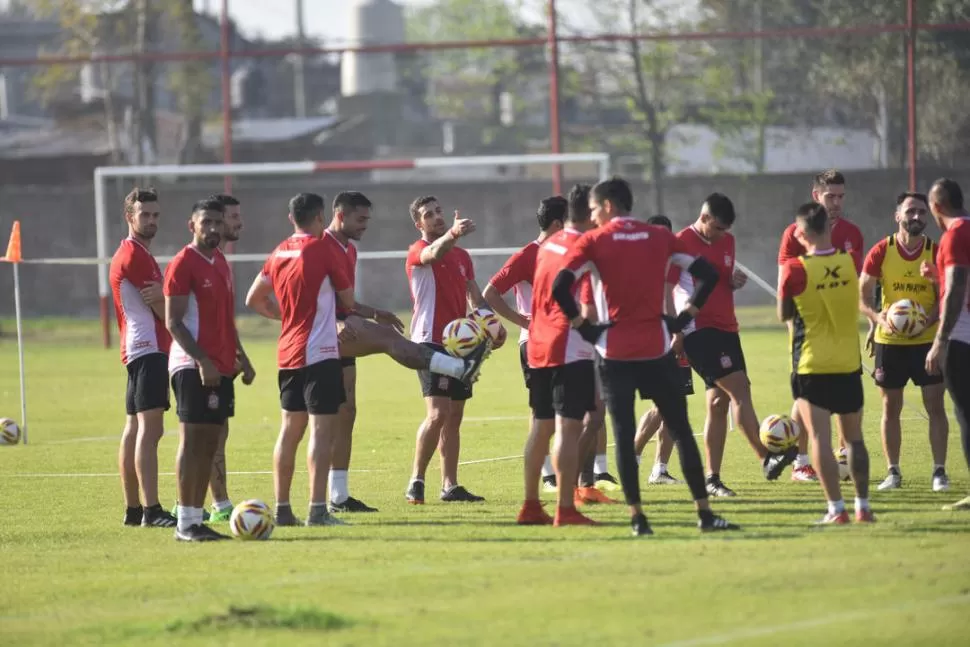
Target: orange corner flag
13, 254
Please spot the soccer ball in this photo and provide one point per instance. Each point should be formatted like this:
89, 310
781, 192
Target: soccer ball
906, 318
778, 433
842, 458
9, 432
252, 519
488, 321
461, 336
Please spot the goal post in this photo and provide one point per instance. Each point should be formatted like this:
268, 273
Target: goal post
104, 173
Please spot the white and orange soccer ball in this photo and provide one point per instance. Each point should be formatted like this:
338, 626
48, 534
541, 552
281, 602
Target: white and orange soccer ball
778, 433
488, 321
461, 336
906, 318
9, 432
252, 520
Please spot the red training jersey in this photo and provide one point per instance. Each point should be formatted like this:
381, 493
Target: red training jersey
955, 250
350, 254
845, 235
439, 290
718, 312
210, 317
552, 341
133, 268
516, 275
629, 260
306, 273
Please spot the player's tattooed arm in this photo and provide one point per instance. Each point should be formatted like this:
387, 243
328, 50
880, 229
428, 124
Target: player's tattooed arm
175, 308
260, 299
433, 252
955, 300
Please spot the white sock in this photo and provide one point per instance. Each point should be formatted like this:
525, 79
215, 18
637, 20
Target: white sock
659, 468
282, 504
547, 467
188, 517
222, 506
599, 464
447, 365
802, 461
638, 460
836, 507
338, 486
861, 504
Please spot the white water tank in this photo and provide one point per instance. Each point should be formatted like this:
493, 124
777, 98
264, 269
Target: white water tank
372, 22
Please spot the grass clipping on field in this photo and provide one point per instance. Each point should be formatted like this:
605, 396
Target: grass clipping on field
263, 617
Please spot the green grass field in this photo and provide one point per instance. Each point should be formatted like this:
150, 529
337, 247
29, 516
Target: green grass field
461, 574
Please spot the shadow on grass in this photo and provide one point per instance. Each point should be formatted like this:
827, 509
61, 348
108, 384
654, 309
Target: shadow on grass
262, 617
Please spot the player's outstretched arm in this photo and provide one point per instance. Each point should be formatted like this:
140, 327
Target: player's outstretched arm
260, 299
498, 305
175, 308
433, 252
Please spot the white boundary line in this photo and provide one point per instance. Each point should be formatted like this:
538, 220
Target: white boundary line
746, 634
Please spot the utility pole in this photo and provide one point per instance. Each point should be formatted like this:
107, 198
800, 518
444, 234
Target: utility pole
299, 69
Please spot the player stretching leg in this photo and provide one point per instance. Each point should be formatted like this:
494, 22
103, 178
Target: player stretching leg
950, 352
140, 309
828, 189
630, 260
894, 263
713, 345
819, 292
199, 314
442, 280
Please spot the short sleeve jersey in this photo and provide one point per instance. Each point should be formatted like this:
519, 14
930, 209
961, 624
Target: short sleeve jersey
133, 268
955, 251
628, 261
552, 340
306, 273
516, 275
210, 317
718, 312
349, 252
845, 236
898, 271
439, 290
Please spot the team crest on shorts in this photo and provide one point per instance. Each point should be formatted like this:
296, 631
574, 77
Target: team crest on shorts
725, 361
443, 382
879, 374
213, 401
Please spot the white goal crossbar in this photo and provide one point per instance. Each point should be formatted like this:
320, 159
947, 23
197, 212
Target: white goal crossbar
104, 173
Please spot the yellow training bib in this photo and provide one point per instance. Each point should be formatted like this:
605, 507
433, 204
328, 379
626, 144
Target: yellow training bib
901, 280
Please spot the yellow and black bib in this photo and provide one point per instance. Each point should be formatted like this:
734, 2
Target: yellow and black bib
825, 331
901, 280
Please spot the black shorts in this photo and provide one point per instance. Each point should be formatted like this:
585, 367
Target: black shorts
317, 389
835, 392
202, 405
147, 384
714, 354
524, 363
568, 391
897, 364
437, 385
687, 379
651, 378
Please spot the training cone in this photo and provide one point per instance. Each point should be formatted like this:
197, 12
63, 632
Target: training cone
13, 254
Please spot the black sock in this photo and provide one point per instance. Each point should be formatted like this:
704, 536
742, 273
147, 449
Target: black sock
706, 516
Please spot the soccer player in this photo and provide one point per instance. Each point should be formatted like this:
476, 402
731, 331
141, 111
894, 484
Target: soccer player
629, 262
819, 292
136, 286
950, 352
562, 375
894, 263
828, 190
651, 422
295, 261
442, 280
199, 314
713, 345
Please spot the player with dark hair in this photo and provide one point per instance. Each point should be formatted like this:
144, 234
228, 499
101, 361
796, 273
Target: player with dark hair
629, 261
828, 190
199, 314
136, 287
713, 346
819, 292
442, 280
950, 352
894, 265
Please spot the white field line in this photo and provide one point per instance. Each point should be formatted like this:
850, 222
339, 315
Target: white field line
115, 474
838, 618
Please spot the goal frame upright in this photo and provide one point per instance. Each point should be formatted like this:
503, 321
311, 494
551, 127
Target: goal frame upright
104, 173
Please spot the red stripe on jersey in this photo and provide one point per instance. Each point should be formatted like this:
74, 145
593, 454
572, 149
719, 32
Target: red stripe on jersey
306, 273
718, 312
439, 290
133, 268
210, 317
552, 341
